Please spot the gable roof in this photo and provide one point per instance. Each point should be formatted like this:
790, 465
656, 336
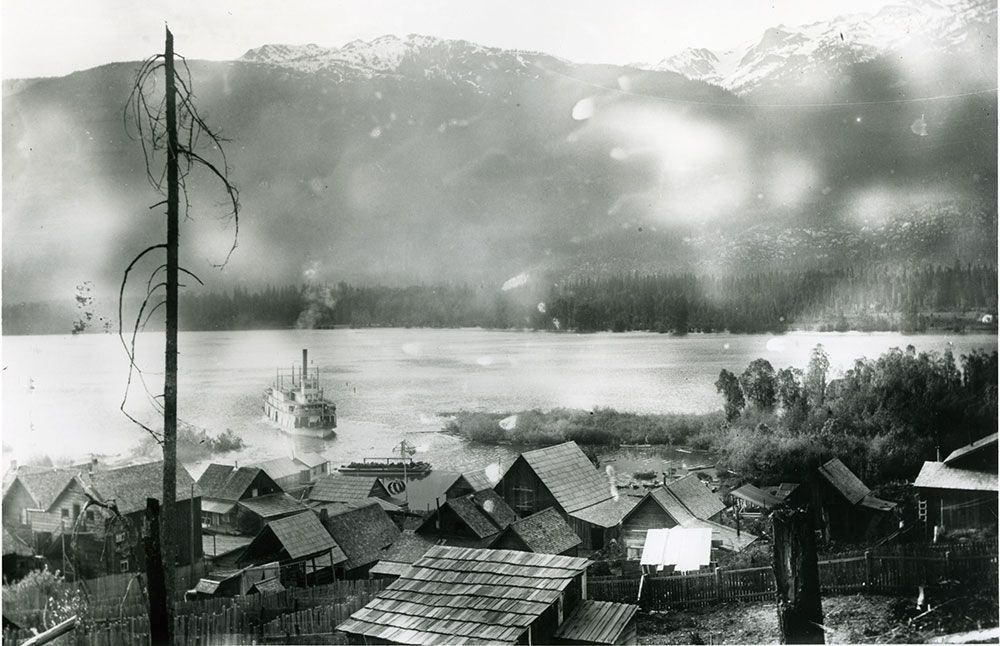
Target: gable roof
12, 544
309, 459
844, 481
569, 476
224, 482
282, 467
483, 512
272, 505
297, 536
757, 497
475, 480
667, 501
219, 544
363, 534
961, 454
131, 486
45, 486
341, 488
544, 532
468, 596
596, 622
697, 497
938, 475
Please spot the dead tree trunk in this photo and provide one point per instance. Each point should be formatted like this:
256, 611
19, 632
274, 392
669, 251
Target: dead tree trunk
159, 620
169, 516
796, 572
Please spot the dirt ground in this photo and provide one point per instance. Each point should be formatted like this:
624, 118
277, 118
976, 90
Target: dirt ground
852, 619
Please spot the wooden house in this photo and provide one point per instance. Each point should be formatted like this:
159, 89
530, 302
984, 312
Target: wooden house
32, 490
844, 508
286, 473
340, 488
960, 493
363, 534
303, 548
686, 503
468, 482
542, 533
599, 622
223, 486
18, 557
481, 596
562, 477
475, 518
314, 464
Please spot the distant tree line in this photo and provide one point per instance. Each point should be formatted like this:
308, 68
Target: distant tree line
867, 299
884, 417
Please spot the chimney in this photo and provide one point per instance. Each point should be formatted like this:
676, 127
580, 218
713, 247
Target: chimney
324, 516
93, 464
305, 365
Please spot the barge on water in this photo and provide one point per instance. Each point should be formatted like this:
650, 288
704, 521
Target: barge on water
392, 466
295, 403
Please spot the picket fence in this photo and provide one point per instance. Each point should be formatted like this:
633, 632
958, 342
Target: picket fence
269, 616
869, 572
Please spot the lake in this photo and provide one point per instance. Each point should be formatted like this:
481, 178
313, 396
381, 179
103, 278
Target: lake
61, 394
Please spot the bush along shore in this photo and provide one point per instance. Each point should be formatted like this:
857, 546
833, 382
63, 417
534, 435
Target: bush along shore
883, 417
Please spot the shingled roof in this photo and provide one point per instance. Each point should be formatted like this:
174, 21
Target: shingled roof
938, 475
272, 505
757, 497
291, 538
363, 534
224, 482
45, 486
214, 478
961, 455
569, 476
131, 486
468, 596
340, 488
544, 532
697, 497
483, 512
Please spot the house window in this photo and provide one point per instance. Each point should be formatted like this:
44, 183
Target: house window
90, 515
76, 511
120, 537
524, 500
65, 513
24, 516
123, 565
253, 492
206, 519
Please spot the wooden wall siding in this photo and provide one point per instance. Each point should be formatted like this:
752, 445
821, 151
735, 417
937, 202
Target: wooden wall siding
263, 484
521, 474
646, 515
52, 519
962, 509
16, 500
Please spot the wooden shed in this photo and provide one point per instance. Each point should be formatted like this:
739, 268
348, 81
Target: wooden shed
477, 596
845, 509
300, 541
960, 493
543, 533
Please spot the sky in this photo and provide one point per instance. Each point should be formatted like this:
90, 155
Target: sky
57, 37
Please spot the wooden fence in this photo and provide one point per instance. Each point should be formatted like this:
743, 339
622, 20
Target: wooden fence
870, 573
238, 620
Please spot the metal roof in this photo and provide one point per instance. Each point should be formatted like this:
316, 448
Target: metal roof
569, 476
696, 496
684, 548
597, 622
545, 532
282, 467
843, 480
311, 460
468, 596
959, 454
757, 497
938, 475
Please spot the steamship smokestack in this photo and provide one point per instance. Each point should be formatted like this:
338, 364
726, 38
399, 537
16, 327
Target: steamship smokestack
305, 365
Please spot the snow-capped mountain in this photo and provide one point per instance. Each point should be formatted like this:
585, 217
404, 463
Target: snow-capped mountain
820, 54
384, 55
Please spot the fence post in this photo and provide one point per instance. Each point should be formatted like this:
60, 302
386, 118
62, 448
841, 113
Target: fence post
718, 584
868, 570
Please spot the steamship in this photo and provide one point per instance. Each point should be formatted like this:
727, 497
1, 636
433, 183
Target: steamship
295, 402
